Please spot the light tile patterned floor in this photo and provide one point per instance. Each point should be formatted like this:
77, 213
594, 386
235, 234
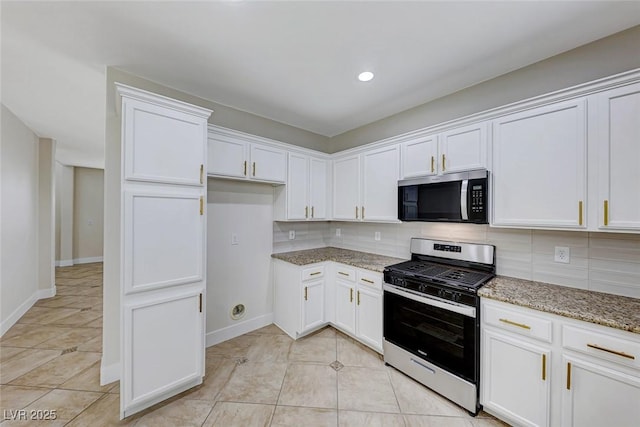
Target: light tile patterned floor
51, 360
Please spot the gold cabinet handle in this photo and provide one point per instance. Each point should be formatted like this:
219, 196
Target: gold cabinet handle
356, 212
616, 352
606, 212
245, 168
512, 323
363, 212
201, 174
312, 212
544, 367
568, 376
368, 281
306, 293
201, 205
443, 163
254, 168
433, 169
343, 273
315, 273
306, 211
358, 297
580, 212
350, 294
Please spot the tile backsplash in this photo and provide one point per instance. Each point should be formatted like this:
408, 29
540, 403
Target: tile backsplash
604, 262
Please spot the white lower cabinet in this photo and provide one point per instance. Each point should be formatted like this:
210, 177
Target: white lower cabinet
302, 296
515, 383
540, 369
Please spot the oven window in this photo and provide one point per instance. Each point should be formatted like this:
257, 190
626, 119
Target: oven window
442, 337
431, 202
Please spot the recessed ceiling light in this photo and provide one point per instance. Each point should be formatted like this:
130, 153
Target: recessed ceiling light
365, 76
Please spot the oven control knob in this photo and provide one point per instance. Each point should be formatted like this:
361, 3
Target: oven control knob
441, 293
423, 288
399, 281
456, 296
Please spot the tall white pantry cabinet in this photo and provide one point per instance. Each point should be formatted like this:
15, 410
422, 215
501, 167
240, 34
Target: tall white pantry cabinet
163, 248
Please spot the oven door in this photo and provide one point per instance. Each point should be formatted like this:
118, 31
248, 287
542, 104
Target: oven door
443, 333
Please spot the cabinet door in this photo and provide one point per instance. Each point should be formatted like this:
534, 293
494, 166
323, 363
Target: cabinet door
463, 148
345, 306
227, 157
595, 396
313, 305
515, 379
618, 138
369, 317
380, 184
298, 187
419, 157
346, 188
539, 173
162, 145
268, 163
318, 175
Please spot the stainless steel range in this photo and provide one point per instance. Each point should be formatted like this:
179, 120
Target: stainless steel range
432, 316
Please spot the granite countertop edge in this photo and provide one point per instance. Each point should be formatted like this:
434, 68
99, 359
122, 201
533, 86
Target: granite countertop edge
600, 308
364, 260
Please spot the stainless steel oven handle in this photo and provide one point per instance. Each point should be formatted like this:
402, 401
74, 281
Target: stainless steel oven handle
460, 309
463, 200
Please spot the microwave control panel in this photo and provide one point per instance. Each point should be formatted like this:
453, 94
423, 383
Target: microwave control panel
477, 199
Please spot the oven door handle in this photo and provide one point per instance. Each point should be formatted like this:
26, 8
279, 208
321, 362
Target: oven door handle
460, 309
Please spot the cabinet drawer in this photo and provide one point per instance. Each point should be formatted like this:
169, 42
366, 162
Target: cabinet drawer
313, 272
345, 273
601, 345
518, 322
369, 279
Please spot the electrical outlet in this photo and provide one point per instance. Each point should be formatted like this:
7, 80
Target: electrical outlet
292, 234
376, 235
562, 255
90, 222
234, 239
338, 232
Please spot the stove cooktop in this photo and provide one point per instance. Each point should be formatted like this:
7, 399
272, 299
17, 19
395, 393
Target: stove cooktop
434, 272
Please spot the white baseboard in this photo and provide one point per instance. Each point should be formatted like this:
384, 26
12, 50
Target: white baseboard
109, 374
70, 262
88, 260
46, 293
24, 307
17, 314
224, 334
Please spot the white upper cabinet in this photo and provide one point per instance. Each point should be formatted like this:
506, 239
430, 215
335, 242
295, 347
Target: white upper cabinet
318, 185
539, 167
163, 145
346, 188
616, 135
231, 156
419, 157
463, 148
460, 149
268, 163
306, 190
365, 186
380, 184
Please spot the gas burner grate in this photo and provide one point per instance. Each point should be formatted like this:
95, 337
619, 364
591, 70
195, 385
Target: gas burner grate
462, 276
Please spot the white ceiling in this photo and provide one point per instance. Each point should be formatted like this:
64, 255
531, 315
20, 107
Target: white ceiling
293, 62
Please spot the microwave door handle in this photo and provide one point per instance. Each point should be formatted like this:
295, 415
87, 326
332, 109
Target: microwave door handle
463, 200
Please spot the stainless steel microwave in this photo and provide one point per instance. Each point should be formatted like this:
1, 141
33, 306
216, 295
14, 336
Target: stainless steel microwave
454, 197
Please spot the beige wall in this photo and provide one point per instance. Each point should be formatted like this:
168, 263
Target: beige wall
88, 214
18, 220
611, 55
46, 214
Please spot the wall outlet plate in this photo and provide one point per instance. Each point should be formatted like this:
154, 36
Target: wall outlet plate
292, 234
234, 239
376, 235
562, 255
338, 232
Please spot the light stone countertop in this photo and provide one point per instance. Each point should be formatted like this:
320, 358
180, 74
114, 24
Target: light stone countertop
365, 260
604, 309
